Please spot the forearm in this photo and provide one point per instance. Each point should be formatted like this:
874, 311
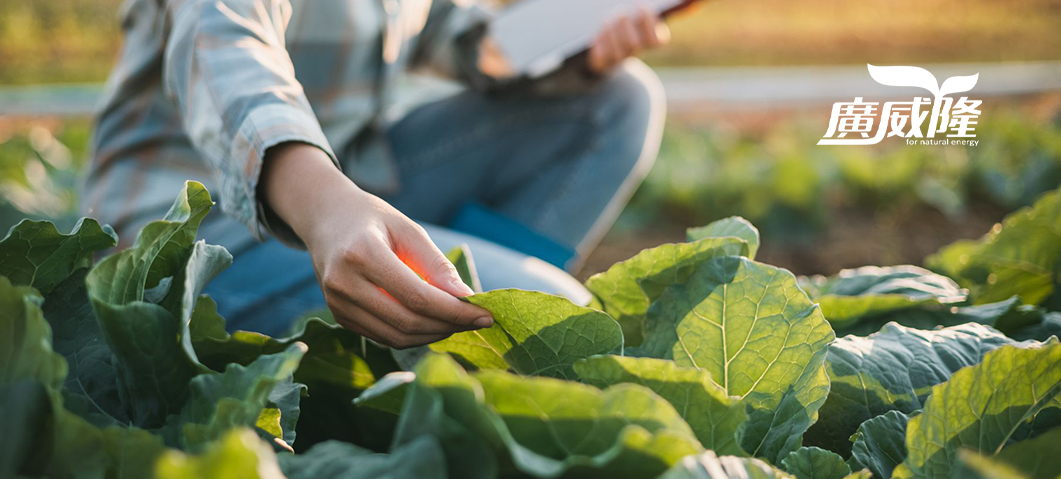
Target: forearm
300, 184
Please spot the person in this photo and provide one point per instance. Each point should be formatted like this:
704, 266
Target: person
290, 113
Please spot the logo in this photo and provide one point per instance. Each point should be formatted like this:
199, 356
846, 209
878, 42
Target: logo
949, 121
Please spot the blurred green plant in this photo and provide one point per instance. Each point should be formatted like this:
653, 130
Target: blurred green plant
788, 185
40, 168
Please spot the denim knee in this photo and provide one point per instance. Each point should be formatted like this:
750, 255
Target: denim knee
632, 110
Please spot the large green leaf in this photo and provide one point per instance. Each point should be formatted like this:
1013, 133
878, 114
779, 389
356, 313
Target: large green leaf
1035, 458
1018, 257
139, 296
759, 337
815, 463
533, 334
235, 398
240, 454
709, 466
26, 406
420, 459
981, 407
26, 344
628, 288
880, 443
545, 427
893, 369
60, 443
36, 254
734, 226
714, 417
853, 294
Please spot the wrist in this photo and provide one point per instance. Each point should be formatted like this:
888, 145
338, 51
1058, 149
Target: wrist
299, 183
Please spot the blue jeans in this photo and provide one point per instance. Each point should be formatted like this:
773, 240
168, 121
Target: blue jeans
561, 166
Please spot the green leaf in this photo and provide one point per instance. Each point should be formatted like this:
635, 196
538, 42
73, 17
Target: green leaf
36, 254
853, 294
815, 463
628, 288
548, 427
420, 459
880, 443
759, 337
714, 417
1034, 458
893, 369
26, 406
235, 398
140, 297
240, 454
1017, 257
978, 466
533, 334
90, 390
26, 348
981, 407
461, 257
709, 466
734, 226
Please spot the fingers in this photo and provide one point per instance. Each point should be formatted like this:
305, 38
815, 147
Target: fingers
360, 321
625, 37
604, 52
398, 280
649, 29
415, 248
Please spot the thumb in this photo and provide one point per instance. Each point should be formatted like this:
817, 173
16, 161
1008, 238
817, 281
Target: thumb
415, 248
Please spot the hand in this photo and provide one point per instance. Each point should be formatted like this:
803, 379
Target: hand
367, 255
626, 37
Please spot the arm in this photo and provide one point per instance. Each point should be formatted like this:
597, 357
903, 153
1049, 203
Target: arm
227, 70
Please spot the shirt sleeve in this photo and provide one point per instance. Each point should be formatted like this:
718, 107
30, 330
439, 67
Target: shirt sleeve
227, 69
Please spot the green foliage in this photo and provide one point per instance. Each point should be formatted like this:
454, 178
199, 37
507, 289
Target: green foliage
893, 369
124, 369
815, 463
981, 407
534, 334
759, 337
1018, 257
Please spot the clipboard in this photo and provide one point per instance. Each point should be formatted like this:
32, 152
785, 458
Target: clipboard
537, 36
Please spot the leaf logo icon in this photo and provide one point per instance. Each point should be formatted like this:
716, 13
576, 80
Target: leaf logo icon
921, 78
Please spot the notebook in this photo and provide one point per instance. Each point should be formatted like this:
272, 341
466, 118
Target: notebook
537, 36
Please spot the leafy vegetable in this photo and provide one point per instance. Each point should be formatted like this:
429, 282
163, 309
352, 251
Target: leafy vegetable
981, 407
853, 294
734, 226
714, 417
125, 369
815, 463
708, 464
461, 257
1017, 257
880, 443
758, 336
547, 427
534, 334
1035, 459
893, 369
629, 287
35, 254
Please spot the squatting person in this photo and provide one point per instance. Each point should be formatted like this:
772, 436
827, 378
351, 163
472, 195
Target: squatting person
291, 113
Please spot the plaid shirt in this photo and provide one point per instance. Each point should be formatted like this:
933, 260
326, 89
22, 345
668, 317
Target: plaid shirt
203, 88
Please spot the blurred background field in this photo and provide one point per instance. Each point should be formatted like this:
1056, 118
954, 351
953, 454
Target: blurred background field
819, 208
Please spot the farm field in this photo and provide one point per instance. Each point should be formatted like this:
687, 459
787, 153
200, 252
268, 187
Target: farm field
693, 358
